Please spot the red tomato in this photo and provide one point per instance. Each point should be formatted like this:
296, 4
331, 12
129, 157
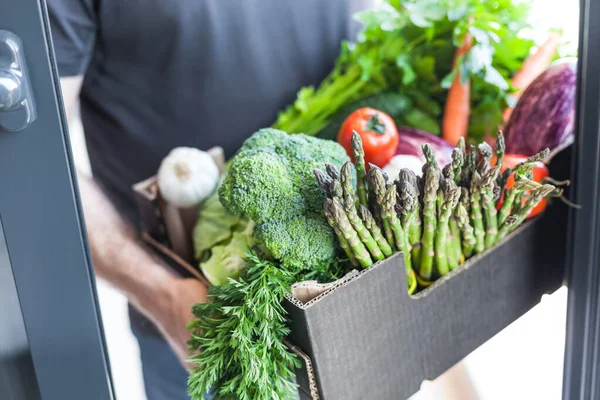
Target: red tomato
378, 133
540, 171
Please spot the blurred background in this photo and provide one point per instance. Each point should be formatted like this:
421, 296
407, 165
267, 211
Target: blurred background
525, 361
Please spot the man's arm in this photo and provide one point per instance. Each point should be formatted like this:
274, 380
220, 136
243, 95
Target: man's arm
121, 259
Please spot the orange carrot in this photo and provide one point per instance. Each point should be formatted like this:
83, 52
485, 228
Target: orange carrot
458, 107
532, 67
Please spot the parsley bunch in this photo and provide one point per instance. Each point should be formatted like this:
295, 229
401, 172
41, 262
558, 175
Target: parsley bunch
408, 46
237, 338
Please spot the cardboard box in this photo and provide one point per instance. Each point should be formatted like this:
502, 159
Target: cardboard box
364, 337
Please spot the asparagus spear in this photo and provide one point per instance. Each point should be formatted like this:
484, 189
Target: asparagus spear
528, 164
410, 219
500, 149
378, 187
517, 219
415, 227
430, 161
323, 180
497, 192
340, 219
448, 172
332, 171
521, 184
462, 220
350, 200
432, 181
371, 225
359, 163
502, 180
470, 166
486, 154
451, 197
407, 175
400, 236
476, 217
408, 199
510, 224
460, 145
343, 242
455, 254
440, 197
335, 189
457, 163
489, 205
536, 196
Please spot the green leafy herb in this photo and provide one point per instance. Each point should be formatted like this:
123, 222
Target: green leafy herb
408, 47
238, 338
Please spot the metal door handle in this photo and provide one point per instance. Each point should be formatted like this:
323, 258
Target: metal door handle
17, 107
10, 91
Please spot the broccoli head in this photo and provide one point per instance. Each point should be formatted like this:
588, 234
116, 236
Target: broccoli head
271, 181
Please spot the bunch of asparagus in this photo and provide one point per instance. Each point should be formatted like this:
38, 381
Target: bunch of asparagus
436, 220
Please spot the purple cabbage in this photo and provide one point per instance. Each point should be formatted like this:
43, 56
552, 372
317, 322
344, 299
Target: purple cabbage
411, 140
545, 114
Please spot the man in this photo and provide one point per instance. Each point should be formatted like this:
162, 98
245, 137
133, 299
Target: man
155, 74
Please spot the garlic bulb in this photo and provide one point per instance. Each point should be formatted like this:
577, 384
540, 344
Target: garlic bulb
187, 176
403, 161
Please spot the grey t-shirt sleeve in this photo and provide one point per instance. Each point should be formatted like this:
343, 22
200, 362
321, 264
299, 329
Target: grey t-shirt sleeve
74, 26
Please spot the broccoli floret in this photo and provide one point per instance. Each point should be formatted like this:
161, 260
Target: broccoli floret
266, 137
299, 242
259, 185
271, 181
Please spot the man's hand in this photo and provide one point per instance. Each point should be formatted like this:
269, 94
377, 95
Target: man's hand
121, 259
176, 311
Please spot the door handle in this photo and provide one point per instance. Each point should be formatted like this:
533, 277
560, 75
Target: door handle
17, 106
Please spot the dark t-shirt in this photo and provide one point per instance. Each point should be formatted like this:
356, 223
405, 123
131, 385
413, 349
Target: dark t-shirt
201, 73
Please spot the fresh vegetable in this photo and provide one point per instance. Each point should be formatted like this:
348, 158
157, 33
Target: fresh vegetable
401, 161
407, 47
438, 220
361, 169
262, 230
410, 141
533, 66
270, 181
538, 172
458, 101
377, 131
430, 189
228, 259
451, 195
545, 114
302, 192
221, 241
237, 338
214, 225
393, 104
187, 176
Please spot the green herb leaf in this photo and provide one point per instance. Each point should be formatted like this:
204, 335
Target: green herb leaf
494, 77
448, 79
425, 68
237, 338
409, 75
420, 120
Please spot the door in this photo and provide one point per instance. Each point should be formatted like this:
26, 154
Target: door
51, 340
